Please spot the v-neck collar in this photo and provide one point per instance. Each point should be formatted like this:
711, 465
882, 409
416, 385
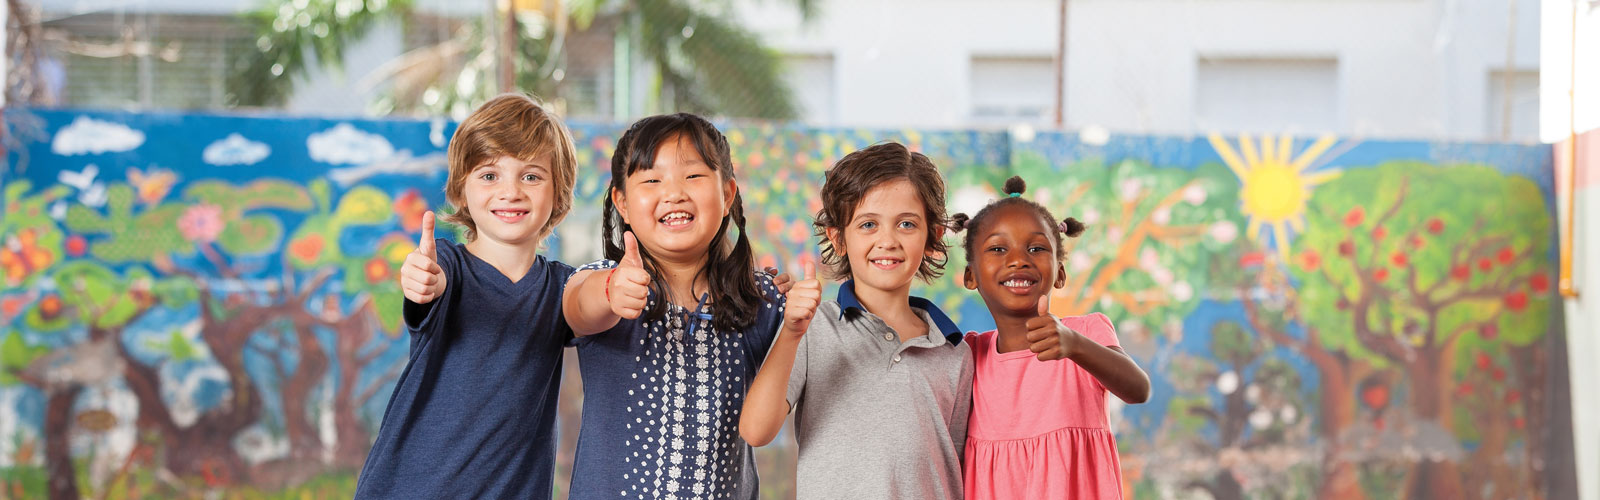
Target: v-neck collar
494, 277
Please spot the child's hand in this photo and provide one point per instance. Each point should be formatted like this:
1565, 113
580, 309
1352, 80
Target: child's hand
421, 278
1047, 335
801, 302
782, 281
628, 284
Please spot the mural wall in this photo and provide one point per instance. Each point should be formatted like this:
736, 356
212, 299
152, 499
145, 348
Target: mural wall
198, 304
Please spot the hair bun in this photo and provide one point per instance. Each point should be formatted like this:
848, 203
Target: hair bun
958, 222
1071, 226
1015, 185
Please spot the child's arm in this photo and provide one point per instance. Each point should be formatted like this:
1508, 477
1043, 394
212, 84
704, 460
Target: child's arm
1109, 364
963, 411
596, 300
767, 404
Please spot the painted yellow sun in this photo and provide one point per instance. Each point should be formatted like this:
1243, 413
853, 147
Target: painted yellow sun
1275, 183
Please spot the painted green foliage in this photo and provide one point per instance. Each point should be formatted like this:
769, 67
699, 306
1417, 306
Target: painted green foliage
1150, 233
1395, 282
316, 244
1393, 264
218, 212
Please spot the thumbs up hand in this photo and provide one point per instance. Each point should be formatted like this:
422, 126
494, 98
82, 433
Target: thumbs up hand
1048, 338
628, 284
421, 278
801, 303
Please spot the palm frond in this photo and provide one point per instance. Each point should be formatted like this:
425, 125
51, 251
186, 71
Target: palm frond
287, 34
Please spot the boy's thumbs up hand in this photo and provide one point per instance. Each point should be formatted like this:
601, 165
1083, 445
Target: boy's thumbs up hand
1046, 334
801, 303
628, 284
421, 278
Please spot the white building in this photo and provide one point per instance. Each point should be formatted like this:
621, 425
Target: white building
1570, 104
1428, 69
1377, 68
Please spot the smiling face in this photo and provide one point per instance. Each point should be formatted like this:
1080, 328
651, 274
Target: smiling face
885, 238
676, 207
1013, 261
510, 200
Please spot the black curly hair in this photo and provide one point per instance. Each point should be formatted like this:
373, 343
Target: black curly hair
1013, 189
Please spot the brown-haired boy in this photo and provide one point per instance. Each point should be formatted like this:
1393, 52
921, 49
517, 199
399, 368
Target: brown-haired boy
472, 415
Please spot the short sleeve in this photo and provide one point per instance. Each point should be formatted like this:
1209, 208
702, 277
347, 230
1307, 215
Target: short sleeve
427, 319
1098, 328
562, 273
598, 265
769, 319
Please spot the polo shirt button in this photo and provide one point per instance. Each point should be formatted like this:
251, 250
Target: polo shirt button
888, 336
897, 358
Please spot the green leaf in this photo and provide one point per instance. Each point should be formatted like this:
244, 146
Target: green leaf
176, 292
389, 308
179, 347
120, 311
364, 205
321, 193
253, 235
15, 354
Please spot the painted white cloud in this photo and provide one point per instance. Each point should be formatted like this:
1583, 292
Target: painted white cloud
90, 136
345, 145
401, 162
235, 150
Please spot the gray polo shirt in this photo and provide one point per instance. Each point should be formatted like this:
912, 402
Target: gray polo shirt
876, 417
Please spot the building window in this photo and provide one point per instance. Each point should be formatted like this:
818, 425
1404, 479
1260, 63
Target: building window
146, 60
810, 77
1010, 89
1267, 95
1513, 105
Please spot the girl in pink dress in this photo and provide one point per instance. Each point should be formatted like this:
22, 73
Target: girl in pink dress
1039, 427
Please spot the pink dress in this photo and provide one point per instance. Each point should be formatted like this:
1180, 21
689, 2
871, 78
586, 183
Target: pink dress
1039, 428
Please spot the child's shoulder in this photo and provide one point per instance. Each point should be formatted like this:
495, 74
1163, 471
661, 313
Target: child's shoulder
561, 268
1094, 325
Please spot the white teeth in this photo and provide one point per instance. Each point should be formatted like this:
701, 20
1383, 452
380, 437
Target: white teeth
676, 216
1018, 283
884, 262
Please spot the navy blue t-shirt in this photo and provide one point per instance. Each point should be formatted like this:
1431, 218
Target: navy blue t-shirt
661, 403
473, 413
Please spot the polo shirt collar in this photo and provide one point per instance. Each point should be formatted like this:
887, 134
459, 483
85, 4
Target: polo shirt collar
952, 333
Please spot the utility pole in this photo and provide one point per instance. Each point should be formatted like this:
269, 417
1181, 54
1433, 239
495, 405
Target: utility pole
1061, 68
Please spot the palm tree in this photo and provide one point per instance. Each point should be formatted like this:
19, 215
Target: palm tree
287, 31
695, 58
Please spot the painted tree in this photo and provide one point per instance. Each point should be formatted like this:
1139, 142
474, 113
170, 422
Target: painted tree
1245, 405
1397, 270
214, 219
32, 247
319, 246
1143, 259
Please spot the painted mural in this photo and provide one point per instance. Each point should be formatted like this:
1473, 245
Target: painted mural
205, 306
